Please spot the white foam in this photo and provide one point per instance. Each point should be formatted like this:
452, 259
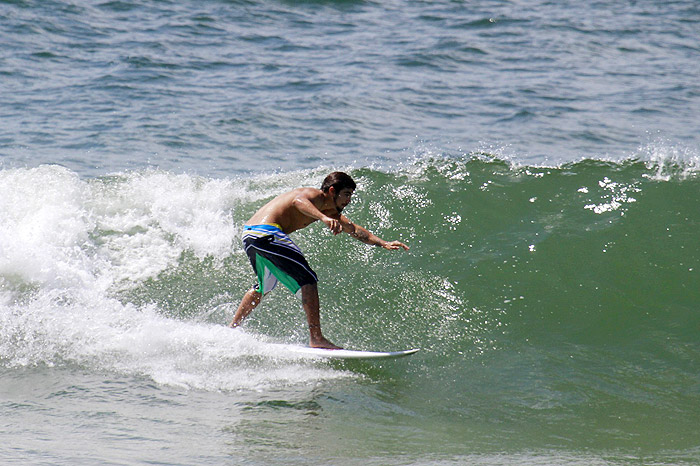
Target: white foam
44, 228
69, 247
107, 336
147, 220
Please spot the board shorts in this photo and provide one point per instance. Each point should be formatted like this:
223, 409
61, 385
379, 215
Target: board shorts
275, 258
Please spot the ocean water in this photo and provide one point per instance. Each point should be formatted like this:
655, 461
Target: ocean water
540, 158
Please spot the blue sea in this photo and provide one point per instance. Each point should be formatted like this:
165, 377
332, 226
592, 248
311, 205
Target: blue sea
540, 158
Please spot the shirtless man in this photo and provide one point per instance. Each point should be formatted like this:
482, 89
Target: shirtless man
275, 257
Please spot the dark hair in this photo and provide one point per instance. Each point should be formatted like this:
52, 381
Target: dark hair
339, 181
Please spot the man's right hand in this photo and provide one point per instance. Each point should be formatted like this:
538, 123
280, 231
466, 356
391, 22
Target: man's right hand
334, 225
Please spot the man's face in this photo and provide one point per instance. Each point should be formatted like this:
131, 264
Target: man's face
343, 198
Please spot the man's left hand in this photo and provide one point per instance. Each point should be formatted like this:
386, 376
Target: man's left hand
391, 245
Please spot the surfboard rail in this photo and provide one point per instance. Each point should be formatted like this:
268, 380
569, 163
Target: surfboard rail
350, 354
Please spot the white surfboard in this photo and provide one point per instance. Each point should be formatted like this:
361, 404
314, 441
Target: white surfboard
350, 354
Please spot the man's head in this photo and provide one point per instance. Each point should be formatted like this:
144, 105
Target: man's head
343, 187
339, 181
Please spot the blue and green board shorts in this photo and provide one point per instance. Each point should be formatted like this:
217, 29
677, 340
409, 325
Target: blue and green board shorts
275, 258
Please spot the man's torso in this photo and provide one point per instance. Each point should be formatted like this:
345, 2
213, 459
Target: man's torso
282, 212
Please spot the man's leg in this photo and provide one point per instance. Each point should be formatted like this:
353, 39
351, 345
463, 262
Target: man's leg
249, 302
309, 299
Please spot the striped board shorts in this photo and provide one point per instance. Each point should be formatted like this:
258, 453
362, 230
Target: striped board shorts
275, 258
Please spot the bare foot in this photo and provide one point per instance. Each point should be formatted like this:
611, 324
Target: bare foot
322, 342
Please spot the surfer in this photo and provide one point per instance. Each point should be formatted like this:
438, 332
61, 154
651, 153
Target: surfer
275, 257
